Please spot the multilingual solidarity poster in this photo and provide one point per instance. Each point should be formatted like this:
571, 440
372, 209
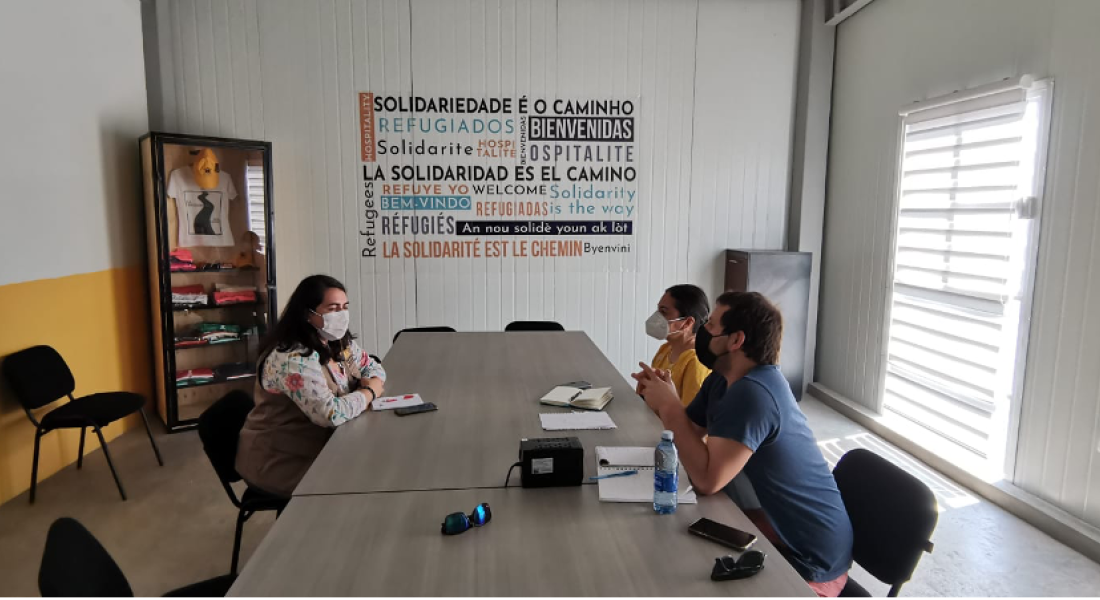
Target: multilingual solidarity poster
453, 177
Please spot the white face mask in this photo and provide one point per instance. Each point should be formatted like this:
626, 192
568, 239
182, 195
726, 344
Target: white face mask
656, 326
336, 324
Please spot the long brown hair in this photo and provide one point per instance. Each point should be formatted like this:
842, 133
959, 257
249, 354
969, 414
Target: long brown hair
293, 329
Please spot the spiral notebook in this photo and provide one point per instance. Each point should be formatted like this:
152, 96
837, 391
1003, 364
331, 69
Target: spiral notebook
634, 488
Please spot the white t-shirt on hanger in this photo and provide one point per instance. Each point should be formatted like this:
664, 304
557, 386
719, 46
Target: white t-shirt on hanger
203, 214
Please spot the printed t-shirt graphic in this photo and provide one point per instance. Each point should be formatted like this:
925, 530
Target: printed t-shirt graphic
203, 214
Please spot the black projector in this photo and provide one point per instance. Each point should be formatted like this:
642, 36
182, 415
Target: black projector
551, 462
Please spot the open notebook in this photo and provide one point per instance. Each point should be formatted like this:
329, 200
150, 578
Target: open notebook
571, 397
633, 488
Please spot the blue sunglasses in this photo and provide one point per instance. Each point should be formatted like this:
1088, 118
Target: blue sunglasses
456, 523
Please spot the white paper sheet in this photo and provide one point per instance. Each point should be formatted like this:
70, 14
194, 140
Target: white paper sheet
576, 420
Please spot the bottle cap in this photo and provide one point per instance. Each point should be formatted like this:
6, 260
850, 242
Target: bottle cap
666, 436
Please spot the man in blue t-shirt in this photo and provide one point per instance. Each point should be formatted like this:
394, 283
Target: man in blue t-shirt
754, 425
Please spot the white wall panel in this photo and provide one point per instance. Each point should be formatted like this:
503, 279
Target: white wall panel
893, 53
715, 81
740, 154
72, 106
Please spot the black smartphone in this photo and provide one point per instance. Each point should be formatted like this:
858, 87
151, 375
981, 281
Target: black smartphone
723, 534
412, 410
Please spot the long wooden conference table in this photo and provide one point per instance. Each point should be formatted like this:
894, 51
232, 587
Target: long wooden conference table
365, 519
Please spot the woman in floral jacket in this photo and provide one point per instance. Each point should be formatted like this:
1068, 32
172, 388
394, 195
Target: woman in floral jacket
313, 377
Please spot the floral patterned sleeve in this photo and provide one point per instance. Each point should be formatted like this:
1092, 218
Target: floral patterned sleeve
302, 379
368, 367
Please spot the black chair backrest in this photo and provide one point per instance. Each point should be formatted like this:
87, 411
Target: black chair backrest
893, 515
76, 564
220, 429
534, 326
441, 329
38, 376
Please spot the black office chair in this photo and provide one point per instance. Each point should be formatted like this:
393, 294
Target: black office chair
76, 564
534, 326
893, 515
220, 429
39, 376
441, 329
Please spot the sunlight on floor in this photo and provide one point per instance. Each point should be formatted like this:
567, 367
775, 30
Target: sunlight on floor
948, 495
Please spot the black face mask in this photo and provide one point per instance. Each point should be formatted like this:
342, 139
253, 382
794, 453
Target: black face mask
702, 348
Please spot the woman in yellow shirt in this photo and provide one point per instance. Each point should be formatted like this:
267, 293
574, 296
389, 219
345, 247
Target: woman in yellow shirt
681, 311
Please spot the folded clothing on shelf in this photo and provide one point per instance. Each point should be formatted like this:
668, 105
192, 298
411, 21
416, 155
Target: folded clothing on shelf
194, 377
218, 327
238, 297
189, 295
189, 341
219, 333
220, 337
208, 334
180, 266
181, 259
182, 254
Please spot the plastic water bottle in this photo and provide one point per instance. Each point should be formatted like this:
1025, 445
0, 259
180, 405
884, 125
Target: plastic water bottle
666, 461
